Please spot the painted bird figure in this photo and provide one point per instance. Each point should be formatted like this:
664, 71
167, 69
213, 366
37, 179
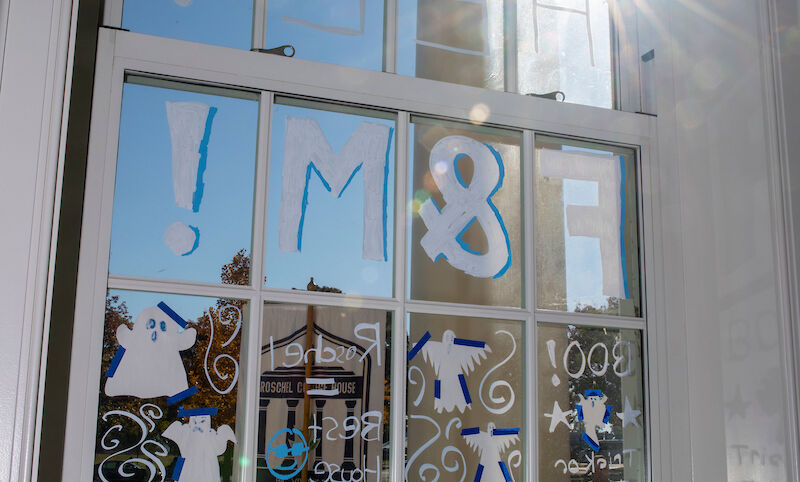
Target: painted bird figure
490, 445
452, 359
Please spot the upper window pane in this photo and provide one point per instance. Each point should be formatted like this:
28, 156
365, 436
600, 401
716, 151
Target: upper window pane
183, 201
343, 32
466, 222
453, 41
330, 218
587, 233
227, 23
565, 45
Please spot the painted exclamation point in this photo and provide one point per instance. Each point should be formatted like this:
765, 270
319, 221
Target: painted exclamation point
189, 131
551, 350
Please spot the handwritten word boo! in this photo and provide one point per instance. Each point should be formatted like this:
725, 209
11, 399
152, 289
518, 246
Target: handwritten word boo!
620, 352
329, 354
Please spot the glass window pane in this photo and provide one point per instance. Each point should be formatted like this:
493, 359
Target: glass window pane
591, 404
343, 32
183, 201
453, 41
169, 387
228, 23
466, 225
565, 45
324, 394
465, 399
331, 199
587, 233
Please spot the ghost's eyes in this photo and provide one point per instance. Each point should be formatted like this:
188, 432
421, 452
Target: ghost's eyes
163, 326
151, 323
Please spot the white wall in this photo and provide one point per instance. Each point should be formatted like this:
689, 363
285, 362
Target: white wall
717, 141
31, 98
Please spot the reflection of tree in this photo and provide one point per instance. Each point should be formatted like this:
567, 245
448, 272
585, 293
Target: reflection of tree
612, 306
237, 272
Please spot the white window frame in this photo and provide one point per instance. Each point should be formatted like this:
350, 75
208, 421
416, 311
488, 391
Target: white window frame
121, 52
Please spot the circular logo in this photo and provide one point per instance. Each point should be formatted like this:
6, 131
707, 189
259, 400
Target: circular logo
282, 451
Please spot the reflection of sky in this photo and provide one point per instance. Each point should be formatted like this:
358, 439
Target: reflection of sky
333, 227
584, 269
144, 201
188, 307
228, 23
363, 50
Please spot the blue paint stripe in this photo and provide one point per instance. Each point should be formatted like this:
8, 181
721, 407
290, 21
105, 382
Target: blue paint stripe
506, 431
419, 345
440, 256
607, 414
479, 473
622, 225
176, 473
494, 209
194, 412
504, 469
579, 408
175, 317
199, 187
470, 431
182, 395
386, 193
593, 393
464, 388
437, 389
590, 442
457, 172
463, 243
349, 179
466, 342
112, 369
196, 241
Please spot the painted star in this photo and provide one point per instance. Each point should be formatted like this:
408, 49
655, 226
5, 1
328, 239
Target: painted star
737, 406
557, 416
629, 414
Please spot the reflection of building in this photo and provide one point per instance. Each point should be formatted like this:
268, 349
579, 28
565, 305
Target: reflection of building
329, 407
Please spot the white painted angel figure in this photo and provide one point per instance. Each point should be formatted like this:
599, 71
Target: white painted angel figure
148, 363
594, 413
200, 445
452, 359
490, 446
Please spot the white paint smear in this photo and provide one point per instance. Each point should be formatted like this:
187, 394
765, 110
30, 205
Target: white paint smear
151, 366
187, 124
180, 238
304, 144
200, 445
601, 221
464, 204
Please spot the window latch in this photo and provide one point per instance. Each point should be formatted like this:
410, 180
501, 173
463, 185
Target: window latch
555, 95
284, 50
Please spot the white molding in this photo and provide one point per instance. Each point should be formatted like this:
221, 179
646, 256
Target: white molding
35, 52
785, 259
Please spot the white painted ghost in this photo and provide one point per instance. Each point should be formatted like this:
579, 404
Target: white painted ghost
490, 448
151, 365
200, 445
594, 413
451, 363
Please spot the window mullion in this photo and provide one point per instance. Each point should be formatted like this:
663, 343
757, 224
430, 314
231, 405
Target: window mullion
259, 24
510, 41
531, 408
112, 13
398, 406
390, 37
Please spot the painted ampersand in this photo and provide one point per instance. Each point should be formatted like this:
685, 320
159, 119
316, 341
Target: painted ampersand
466, 204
